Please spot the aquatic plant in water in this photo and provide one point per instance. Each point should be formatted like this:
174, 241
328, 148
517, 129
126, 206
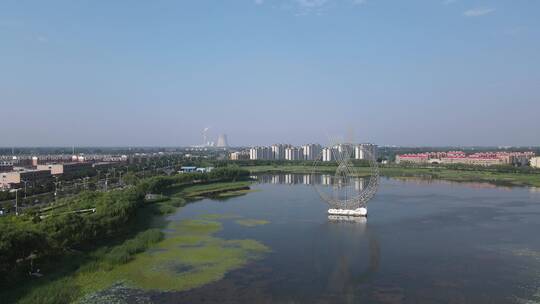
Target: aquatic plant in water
189, 256
251, 222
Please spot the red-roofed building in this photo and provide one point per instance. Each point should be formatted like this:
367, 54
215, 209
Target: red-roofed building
459, 157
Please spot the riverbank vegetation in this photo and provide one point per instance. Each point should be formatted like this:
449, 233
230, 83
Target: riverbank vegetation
505, 175
214, 189
41, 246
251, 222
188, 256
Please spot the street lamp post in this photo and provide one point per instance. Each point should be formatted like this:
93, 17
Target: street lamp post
56, 189
85, 182
106, 181
16, 200
25, 182
98, 175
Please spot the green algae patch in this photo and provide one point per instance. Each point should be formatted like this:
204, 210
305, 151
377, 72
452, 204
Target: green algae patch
217, 216
195, 227
229, 194
189, 256
526, 252
251, 222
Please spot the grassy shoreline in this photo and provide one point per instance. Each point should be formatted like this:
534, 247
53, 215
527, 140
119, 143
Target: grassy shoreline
509, 179
60, 282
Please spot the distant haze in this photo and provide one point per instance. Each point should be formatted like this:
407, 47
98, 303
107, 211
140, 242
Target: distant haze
143, 73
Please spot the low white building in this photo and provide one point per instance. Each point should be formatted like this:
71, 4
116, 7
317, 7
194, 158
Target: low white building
535, 162
239, 155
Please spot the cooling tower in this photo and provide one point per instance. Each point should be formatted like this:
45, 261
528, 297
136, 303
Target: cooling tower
222, 141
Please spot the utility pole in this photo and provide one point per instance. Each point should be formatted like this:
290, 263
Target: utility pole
97, 182
56, 189
106, 181
25, 182
120, 178
85, 181
16, 200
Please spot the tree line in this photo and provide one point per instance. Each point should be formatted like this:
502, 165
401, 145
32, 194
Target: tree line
29, 237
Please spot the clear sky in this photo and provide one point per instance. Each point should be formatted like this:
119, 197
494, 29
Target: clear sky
133, 73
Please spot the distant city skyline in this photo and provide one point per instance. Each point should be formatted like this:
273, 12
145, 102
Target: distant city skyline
156, 73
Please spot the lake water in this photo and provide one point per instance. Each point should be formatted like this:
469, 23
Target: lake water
424, 242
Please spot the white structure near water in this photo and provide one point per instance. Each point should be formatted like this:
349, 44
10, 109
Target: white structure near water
344, 212
535, 162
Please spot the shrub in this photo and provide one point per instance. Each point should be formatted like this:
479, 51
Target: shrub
59, 292
177, 202
162, 209
124, 253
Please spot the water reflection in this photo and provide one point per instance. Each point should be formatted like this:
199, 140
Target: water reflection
361, 183
358, 183
341, 192
472, 185
534, 190
348, 219
343, 274
333, 261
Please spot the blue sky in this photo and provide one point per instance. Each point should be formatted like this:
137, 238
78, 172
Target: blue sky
119, 73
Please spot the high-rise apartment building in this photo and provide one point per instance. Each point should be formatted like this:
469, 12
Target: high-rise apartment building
328, 154
311, 151
260, 153
294, 153
365, 151
278, 151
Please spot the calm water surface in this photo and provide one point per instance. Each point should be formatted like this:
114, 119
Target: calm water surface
435, 242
